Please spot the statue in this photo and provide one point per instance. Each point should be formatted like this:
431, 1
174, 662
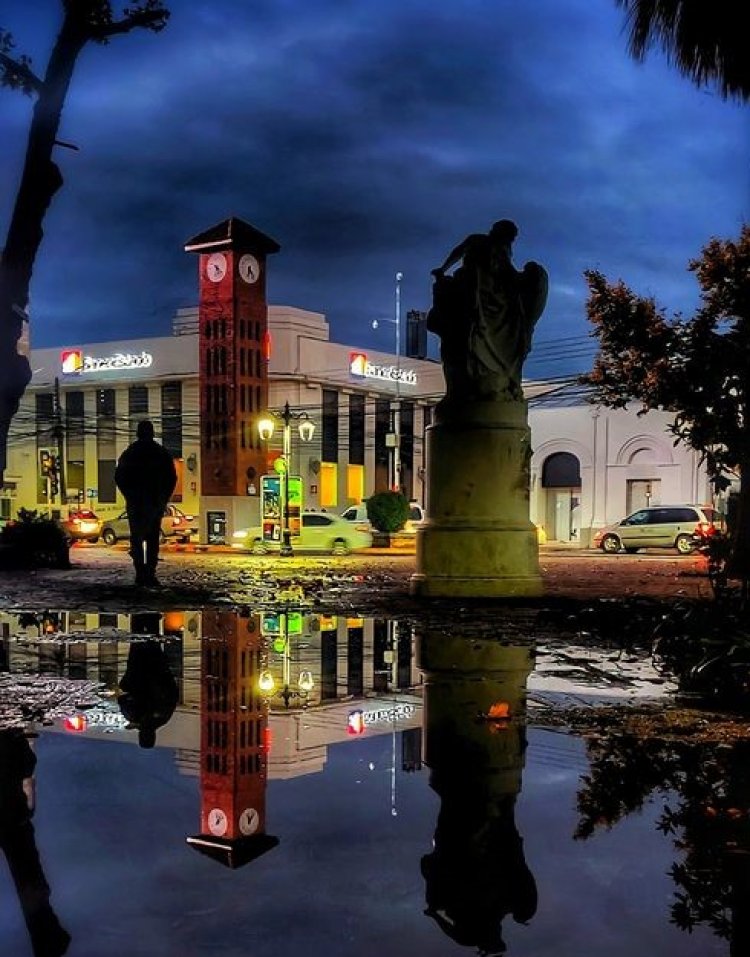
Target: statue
485, 314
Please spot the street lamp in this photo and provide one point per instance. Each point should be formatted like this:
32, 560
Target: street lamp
306, 429
396, 321
267, 681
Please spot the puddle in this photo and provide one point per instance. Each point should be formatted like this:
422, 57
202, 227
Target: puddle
216, 783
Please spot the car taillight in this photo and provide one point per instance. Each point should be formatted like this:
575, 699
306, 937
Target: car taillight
704, 528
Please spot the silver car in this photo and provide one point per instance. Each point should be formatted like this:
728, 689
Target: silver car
660, 526
174, 524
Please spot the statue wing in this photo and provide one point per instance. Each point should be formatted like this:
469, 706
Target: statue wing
534, 288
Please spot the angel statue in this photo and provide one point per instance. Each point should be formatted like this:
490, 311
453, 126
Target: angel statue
485, 315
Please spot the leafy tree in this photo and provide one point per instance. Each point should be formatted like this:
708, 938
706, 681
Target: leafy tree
84, 21
705, 41
697, 368
387, 511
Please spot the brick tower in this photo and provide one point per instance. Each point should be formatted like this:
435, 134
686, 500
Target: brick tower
233, 368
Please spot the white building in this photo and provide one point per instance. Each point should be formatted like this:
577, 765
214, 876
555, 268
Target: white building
590, 466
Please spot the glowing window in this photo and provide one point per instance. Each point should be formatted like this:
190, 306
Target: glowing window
355, 483
328, 484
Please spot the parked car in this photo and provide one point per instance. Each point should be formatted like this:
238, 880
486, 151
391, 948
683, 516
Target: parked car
416, 517
82, 525
358, 515
319, 532
660, 526
174, 524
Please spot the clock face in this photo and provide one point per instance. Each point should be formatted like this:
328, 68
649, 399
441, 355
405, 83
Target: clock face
248, 268
216, 267
249, 821
217, 822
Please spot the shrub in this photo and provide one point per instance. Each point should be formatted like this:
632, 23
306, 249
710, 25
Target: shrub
33, 541
387, 511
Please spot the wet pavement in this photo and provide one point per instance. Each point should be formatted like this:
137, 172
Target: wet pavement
267, 756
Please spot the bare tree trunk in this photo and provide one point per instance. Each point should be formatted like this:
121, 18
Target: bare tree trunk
40, 180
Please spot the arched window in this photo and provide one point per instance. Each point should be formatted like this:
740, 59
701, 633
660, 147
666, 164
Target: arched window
561, 470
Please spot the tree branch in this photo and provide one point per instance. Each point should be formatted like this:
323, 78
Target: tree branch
151, 19
18, 75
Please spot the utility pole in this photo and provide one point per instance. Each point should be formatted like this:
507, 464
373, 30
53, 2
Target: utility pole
397, 413
60, 436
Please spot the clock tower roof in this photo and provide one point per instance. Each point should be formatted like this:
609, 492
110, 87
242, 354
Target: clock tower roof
232, 233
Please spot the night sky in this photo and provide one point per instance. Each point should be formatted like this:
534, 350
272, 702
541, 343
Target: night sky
370, 137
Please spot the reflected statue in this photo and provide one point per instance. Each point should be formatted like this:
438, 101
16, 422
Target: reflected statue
476, 875
18, 843
148, 692
485, 316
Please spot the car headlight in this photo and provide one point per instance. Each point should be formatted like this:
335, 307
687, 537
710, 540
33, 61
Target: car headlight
241, 534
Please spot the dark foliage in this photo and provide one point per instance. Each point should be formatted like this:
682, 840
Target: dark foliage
387, 511
706, 795
33, 541
705, 41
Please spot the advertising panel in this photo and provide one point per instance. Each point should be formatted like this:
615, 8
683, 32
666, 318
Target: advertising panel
271, 504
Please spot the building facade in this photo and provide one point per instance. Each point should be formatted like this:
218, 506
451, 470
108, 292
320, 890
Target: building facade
84, 403
590, 466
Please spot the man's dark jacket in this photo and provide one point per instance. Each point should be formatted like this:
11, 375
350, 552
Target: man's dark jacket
146, 476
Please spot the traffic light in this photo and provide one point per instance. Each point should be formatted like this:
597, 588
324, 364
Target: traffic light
45, 462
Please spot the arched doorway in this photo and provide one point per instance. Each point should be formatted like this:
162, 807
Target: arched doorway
561, 481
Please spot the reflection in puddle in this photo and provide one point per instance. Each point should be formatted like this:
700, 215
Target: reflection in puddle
706, 812
18, 843
475, 738
304, 735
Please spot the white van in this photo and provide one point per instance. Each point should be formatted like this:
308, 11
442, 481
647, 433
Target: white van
358, 514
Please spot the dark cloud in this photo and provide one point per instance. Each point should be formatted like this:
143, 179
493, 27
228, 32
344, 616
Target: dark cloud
368, 138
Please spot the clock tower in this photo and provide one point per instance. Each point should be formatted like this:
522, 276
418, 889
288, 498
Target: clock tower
234, 741
234, 345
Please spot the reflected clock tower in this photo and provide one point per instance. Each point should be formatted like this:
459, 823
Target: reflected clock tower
234, 741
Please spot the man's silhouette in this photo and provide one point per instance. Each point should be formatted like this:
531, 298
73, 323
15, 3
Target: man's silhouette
149, 692
146, 476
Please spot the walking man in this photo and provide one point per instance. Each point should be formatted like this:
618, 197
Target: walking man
146, 476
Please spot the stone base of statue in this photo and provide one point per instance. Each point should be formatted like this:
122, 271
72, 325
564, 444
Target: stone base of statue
477, 541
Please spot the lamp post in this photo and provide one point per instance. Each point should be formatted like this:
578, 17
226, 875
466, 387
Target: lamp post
306, 430
396, 482
305, 680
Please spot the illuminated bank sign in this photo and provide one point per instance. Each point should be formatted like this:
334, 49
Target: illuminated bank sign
360, 366
75, 362
357, 721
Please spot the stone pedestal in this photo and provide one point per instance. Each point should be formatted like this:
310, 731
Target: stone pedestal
464, 679
477, 541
